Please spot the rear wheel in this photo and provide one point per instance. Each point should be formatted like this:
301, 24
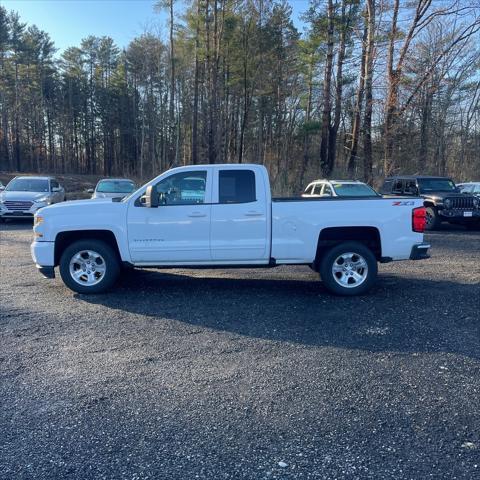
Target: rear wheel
432, 218
349, 268
89, 266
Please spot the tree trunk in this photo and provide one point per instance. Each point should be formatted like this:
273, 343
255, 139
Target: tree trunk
367, 122
327, 104
352, 160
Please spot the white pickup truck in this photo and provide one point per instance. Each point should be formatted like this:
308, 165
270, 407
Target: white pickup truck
207, 216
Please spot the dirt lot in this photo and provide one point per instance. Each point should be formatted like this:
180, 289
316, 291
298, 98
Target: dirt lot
224, 374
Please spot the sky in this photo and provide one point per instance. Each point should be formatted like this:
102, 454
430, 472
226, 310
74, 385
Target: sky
68, 21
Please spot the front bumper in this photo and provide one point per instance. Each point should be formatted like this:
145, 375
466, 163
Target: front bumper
420, 251
43, 253
29, 213
459, 214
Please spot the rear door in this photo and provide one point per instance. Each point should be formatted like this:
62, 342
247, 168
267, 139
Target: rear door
239, 226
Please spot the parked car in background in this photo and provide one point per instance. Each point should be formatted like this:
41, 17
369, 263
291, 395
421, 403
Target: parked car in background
442, 199
23, 196
470, 187
113, 188
223, 215
339, 188
2, 186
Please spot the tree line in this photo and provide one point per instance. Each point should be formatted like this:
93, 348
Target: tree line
370, 88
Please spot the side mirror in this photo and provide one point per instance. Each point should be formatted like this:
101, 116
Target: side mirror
2, 187
151, 197
56, 189
89, 190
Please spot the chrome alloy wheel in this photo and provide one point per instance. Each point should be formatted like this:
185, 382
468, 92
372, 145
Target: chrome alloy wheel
87, 268
350, 270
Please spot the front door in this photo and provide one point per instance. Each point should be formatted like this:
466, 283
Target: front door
179, 229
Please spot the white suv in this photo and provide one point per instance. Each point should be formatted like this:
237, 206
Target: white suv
339, 188
23, 196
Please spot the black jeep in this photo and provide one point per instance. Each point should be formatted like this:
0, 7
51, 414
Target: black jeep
443, 199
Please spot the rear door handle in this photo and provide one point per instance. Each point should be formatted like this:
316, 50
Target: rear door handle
197, 214
252, 213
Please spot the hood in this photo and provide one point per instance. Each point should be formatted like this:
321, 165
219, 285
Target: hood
108, 195
83, 205
23, 196
442, 195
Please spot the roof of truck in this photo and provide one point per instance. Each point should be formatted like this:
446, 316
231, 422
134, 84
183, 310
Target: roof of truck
335, 181
415, 177
34, 177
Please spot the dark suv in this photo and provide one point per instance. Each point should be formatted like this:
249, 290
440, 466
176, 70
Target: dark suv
443, 199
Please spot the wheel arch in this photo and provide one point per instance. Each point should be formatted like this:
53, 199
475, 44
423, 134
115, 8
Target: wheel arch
64, 239
332, 236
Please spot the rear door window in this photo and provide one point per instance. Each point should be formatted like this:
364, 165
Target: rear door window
387, 186
410, 187
236, 186
327, 191
398, 186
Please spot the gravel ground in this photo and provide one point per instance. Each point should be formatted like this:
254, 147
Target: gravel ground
226, 374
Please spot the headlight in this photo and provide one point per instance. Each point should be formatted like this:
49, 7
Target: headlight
476, 202
448, 203
42, 200
38, 220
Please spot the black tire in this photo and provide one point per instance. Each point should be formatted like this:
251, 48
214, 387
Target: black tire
108, 256
433, 219
332, 281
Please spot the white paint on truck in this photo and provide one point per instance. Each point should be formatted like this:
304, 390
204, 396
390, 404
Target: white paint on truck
224, 215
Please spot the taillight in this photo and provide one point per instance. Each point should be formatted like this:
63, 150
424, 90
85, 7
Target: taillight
419, 219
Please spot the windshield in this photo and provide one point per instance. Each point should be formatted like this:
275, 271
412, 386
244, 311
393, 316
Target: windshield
115, 186
354, 190
436, 185
28, 185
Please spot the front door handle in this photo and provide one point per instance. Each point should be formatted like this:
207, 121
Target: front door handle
197, 214
252, 213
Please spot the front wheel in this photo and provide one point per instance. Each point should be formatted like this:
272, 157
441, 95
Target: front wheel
349, 269
89, 266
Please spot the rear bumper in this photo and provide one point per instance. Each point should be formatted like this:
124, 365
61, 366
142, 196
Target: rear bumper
420, 251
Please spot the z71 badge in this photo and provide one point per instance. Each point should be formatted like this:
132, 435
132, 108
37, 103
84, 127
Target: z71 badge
407, 203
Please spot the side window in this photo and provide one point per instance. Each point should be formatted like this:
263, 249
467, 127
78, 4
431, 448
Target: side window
236, 186
476, 189
54, 184
185, 188
318, 189
308, 190
411, 187
397, 186
327, 191
387, 186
